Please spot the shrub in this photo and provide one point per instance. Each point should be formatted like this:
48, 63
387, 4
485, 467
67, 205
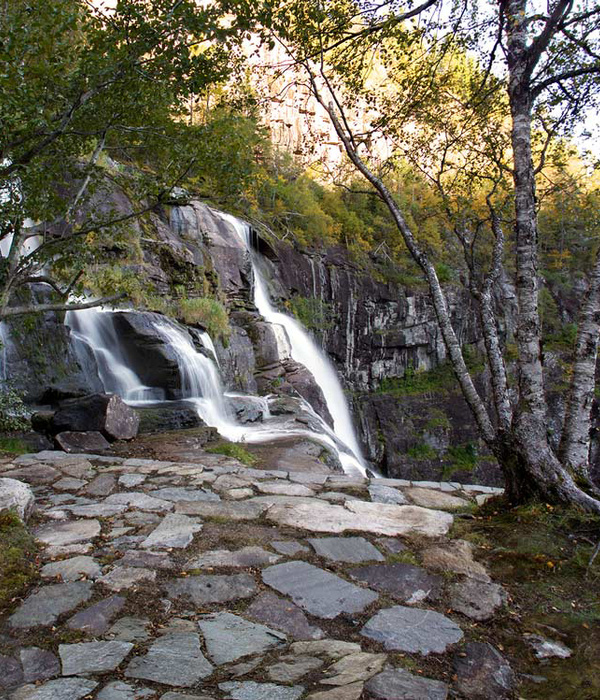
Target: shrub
205, 312
13, 413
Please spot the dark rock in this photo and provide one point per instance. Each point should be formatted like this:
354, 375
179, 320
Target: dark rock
247, 409
96, 619
11, 673
405, 582
106, 413
283, 615
399, 684
173, 415
41, 422
38, 664
353, 550
476, 599
87, 441
482, 673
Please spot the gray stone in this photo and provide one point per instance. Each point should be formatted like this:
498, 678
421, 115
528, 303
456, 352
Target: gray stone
102, 485
337, 497
245, 557
69, 484
344, 692
346, 549
430, 498
96, 619
412, 630
175, 659
282, 615
399, 684
391, 544
547, 648
126, 577
284, 488
17, 496
46, 605
137, 517
141, 501
38, 664
150, 560
37, 474
202, 590
378, 518
317, 591
132, 480
292, 668
61, 534
456, 556
177, 495
59, 689
176, 530
231, 511
72, 569
117, 690
130, 629
229, 637
331, 648
289, 547
249, 690
92, 657
180, 696
353, 668
51, 553
482, 672
97, 510
386, 494
83, 441
405, 582
476, 599
11, 673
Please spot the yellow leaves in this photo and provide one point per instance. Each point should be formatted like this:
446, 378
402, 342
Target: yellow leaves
199, 48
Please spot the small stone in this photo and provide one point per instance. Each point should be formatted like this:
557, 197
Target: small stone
177, 495
130, 629
405, 582
353, 550
289, 547
547, 648
51, 553
202, 590
11, 673
96, 619
331, 648
92, 657
175, 659
59, 689
61, 533
284, 488
126, 577
102, 485
345, 692
229, 637
456, 556
141, 501
69, 484
249, 690
476, 599
353, 668
150, 560
38, 664
412, 630
387, 494
282, 615
175, 530
117, 690
98, 510
17, 496
245, 557
399, 684
238, 494
129, 481
292, 668
47, 604
319, 592
430, 498
391, 544
72, 569
482, 672
337, 497
180, 696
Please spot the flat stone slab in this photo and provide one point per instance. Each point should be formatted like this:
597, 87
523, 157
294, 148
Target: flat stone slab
476, 599
229, 637
317, 591
212, 588
175, 659
130, 629
38, 664
353, 550
386, 494
176, 530
141, 501
431, 498
68, 483
249, 690
482, 672
117, 690
36, 474
177, 494
405, 582
149, 560
292, 668
247, 556
11, 673
97, 510
399, 684
353, 668
129, 481
378, 518
412, 630
65, 533
330, 648
122, 577
96, 619
72, 569
45, 606
59, 689
284, 488
346, 692
282, 615
232, 511
181, 696
92, 657
289, 547
102, 485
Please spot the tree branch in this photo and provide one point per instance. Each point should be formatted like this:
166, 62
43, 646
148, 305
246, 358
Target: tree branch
12, 311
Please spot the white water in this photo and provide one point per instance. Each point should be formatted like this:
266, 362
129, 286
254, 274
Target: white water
207, 341
304, 350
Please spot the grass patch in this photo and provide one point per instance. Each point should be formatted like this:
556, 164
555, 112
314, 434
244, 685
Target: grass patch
232, 449
422, 451
462, 458
17, 559
405, 557
12, 446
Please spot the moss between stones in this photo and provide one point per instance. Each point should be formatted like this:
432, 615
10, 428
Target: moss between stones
231, 449
17, 559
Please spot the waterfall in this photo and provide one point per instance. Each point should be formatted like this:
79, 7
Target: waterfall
301, 347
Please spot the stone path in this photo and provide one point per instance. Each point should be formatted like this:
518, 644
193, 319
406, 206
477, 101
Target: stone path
213, 581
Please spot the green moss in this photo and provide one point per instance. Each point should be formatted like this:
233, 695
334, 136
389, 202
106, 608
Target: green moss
312, 313
415, 382
17, 553
462, 458
422, 451
232, 449
405, 557
12, 445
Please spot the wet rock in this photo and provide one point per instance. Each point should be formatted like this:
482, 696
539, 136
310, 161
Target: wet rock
245, 557
92, 657
387, 494
176, 530
229, 637
289, 547
476, 599
46, 605
38, 664
282, 615
124, 577
11, 673
117, 690
399, 684
482, 673
353, 550
412, 630
292, 668
249, 690
96, 619
102, 485
405, 582
317, 591
175, 659
85, 441
59, 689
16, 496
353, 668
212, 589
72, 569
456, 556
60, 534
105, 413
547, 648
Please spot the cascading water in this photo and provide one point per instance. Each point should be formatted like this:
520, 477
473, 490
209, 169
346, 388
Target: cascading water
301, 347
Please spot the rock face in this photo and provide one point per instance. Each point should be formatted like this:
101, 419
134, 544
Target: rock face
17, 496
105, 413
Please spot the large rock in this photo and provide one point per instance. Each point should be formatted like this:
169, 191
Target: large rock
59, 689
405, 582
172, 415
283, 615
92, 657
482, 673
88, 441
106, 413
46, 605
16, 496
399, 684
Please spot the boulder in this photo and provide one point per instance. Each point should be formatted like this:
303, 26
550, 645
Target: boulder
106, 413
89, 441
17, 496
482, 672
172, 415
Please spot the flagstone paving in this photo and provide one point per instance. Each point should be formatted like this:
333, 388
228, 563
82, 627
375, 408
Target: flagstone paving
212, 581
